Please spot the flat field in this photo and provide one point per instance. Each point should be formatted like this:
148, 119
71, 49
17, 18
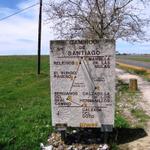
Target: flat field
24, 103
135, 60
144, 58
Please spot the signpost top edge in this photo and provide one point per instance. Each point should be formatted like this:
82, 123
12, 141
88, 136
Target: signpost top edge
100, 40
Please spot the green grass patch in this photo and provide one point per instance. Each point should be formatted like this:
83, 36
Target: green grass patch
143, 58
130, 70
25, 118
122, 87
140, 115
121, 122
138, 72
114, 146
140, 58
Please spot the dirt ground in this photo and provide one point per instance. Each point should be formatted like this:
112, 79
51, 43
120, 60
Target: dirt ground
144, 87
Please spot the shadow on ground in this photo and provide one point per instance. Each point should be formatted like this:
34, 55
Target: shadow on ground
94, 136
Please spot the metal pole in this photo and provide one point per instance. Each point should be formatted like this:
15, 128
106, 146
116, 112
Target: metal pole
39, 38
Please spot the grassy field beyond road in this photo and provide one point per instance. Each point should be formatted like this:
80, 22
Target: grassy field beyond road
24, 103
143, 58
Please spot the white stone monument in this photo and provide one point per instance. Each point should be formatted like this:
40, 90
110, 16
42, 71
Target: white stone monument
83, 83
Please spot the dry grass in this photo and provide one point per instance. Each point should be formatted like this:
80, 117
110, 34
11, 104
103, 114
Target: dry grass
133, 67
140, 70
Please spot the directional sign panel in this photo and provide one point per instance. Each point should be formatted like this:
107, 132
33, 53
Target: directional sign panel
82, 83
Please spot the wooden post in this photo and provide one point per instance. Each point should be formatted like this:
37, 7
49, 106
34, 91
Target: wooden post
133, 85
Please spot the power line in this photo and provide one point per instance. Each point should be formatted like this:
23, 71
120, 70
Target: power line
18, 12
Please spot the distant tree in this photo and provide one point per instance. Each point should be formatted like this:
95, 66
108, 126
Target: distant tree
96, 19
117, 53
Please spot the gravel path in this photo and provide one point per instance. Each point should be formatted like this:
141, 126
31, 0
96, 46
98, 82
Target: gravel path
144, 87
135, 63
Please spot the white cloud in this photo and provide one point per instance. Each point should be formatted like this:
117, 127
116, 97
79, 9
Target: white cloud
19, 33
5, 11
139, 48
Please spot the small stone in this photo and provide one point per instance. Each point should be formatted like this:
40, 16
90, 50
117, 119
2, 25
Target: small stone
105, 147
56, 144
50, 147
74, 131
41, 145
70, 148
61, 147
80, 147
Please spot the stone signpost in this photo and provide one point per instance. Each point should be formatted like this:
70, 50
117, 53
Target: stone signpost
83, 83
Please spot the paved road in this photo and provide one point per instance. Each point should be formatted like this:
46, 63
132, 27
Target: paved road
135, 63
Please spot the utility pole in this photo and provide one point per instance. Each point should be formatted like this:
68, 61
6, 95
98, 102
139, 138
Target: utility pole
39, 38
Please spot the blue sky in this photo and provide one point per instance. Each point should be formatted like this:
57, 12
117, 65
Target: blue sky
18, 34
10, 3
